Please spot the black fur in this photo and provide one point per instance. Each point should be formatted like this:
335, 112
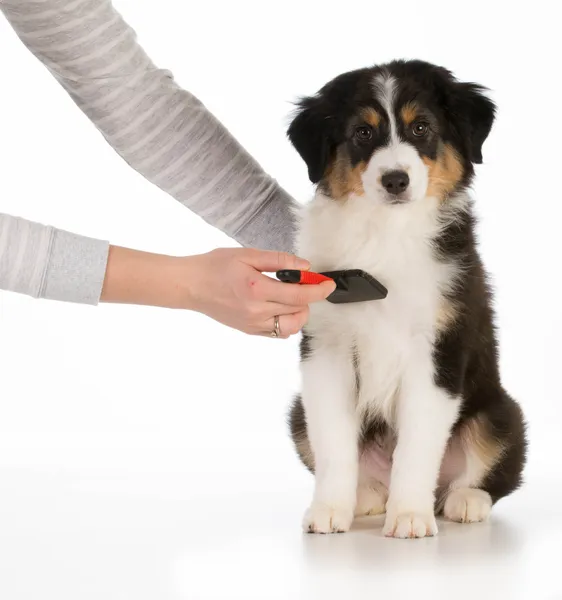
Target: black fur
466, 361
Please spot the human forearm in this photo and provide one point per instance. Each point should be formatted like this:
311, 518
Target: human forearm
162, 131
227, 285
144, 278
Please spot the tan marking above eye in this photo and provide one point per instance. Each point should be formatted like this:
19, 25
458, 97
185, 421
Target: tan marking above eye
409, 113
371, 116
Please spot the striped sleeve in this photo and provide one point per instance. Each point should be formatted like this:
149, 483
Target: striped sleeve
44, 262
159, 129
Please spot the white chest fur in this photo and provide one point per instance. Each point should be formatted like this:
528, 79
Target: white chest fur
394, 244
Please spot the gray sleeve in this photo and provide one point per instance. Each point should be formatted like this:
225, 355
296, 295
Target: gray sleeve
44, 262
159, 129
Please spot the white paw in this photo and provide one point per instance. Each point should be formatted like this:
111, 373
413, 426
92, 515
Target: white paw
468, 505
371, 500
322, 518
410, 525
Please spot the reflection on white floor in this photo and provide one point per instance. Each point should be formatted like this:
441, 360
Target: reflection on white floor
72, 535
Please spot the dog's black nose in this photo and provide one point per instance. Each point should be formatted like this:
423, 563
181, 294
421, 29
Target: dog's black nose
395, 182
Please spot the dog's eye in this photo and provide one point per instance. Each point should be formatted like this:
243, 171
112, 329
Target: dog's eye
363, 133
420, 129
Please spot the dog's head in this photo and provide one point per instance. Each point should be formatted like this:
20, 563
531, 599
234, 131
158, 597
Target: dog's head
399, 133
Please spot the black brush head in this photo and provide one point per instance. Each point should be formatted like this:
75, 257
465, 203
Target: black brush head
355, 285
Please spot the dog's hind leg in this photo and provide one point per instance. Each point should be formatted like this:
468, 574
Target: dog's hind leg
494, 447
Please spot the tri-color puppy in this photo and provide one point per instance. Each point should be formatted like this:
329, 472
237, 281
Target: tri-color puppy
402, 408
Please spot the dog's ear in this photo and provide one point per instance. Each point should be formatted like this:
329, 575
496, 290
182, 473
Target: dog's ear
474, 114
313, 134
479, 112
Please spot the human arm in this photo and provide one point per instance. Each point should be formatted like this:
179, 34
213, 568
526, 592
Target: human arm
227, 285
160, 130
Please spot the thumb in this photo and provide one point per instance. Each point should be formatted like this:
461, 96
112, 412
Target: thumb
269, 262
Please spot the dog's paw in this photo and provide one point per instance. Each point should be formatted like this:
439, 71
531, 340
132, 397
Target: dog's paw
323, 518
371, 500
410, 525
467, 505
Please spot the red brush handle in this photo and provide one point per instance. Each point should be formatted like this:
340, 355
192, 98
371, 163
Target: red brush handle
310, 278
303, 277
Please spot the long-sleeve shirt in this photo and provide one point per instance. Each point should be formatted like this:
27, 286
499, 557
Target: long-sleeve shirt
159, 129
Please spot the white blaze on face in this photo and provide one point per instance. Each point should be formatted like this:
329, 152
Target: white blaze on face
385, 91
397, 155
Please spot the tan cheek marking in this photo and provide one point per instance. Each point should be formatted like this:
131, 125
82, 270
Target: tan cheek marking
343, 179
371, 116
444, 173
409, 113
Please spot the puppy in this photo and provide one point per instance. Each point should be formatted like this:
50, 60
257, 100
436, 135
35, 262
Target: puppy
402, 408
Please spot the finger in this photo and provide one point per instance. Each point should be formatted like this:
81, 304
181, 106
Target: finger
289, 324
294, 294
293, 323
298, 320
268, 262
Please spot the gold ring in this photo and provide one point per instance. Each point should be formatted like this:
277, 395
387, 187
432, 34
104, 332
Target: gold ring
276, 330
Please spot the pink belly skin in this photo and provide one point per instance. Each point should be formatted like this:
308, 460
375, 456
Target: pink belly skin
376, 462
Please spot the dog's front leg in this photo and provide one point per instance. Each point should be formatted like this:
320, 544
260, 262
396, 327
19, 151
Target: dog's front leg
424, 417
329, 401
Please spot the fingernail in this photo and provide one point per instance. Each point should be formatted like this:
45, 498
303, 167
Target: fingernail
303, 264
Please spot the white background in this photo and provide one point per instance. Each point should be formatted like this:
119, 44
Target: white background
144, 452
